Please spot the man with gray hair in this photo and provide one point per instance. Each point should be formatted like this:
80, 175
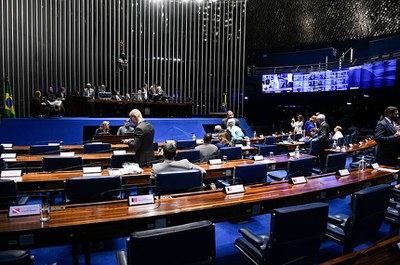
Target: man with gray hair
323, 138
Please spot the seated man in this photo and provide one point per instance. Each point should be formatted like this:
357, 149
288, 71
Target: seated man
313, 136
229, 115
169, 164
51, 99
207, 149
237, 134
127, 128
217, 131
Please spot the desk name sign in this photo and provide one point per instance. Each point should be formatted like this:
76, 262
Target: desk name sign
298, 180
258, 158
344, 172
215, 161
140, 199
119, 152
234, 189
67, 154
23, 210
9, 157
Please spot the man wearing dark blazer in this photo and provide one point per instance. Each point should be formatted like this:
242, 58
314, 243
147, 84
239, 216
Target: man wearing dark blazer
229, 115
142, 142
387, 135
323, 138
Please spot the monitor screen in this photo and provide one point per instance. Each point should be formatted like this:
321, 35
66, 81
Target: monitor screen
371, 75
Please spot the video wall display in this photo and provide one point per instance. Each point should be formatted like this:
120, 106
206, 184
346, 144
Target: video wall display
372, 75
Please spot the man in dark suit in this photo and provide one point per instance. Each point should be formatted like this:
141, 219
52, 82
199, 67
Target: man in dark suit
387, 135
323, 138
142, 142
229, 115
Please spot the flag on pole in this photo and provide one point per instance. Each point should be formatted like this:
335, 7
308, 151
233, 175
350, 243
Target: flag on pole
8, 101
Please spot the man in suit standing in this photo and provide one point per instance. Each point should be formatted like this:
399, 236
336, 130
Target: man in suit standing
142, 142
323, 138
387, 135
229, 115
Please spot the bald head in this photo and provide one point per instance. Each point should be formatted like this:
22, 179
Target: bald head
135, 116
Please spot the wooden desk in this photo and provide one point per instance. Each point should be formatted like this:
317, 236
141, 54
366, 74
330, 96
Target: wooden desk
78, 149
285, 146
84, 223
355, 148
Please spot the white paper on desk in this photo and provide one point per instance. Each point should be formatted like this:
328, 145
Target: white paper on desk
88, 170
16, 179
114, 172
388, 169
119, 152
8, 155
11, 173
67, 154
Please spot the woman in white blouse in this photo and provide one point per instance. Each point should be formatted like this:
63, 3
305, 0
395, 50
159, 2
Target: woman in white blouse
298, 125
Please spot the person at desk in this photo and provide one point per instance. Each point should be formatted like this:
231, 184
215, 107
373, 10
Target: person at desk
143, 137
37, 104
308, 125
51, 99
127, 128
207, 149
116, 95
169, 164
313, 136
237, 134
387, 134
88, 91
337, 133
61, 94
323, 138
217, 131
229, 115
104, 129
224, 140
298, 125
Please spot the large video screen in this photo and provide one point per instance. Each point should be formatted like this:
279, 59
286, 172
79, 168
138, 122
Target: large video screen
372, 75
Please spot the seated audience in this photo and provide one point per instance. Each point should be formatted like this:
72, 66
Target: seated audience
207, 149
235, 131
127, 128
104, 129
229, 115
338, 133
169, 164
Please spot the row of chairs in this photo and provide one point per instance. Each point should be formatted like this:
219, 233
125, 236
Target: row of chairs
55, 149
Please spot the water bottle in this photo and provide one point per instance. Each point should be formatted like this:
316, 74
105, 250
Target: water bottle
334, 144
362, 164
297, 152
194, 136
255, 134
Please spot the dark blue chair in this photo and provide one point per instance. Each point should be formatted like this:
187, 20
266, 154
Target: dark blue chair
9, 194
269, 140
264, 150
44, 149
62, 163
334, 162
191, 155
234, 152
155, 146
178, 181
295, 168
97, 148
340, 141
118, 160
250, 174
368, 208
192, 243
185, 144
284, 137
295, 237
93, 188
16, 257
297, 136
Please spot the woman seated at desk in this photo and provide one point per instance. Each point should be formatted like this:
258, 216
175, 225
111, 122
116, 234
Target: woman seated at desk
104, 129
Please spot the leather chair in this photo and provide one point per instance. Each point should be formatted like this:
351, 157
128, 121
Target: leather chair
334, 162
15, 257
250, 174
295, 168
368, 208
185, 144
296, 235
9, 194
264, 150
89, 189
118, 160
96, 148
191, 155
61, 163
178, 181
44, 149
192, 243
234, 152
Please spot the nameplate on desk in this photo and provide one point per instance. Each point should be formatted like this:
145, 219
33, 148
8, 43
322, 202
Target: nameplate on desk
298, 180
234, 189
291, 154
7, 146
24, 210
344, 172
170, 141
258, 158
199, 141
97, 143
54, 144
375, 165
9, 157
239, 145
89, 170
215, 161
119, 152
351, 145
11, 173
67, 154
141, 199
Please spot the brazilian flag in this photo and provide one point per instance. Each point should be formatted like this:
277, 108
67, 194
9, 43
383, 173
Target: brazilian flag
8, 101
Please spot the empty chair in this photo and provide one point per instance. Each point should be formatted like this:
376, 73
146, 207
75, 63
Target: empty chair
269, 140
185, 144
88, 189
340, 141
368, 208
118, 160
16, 257
264, 150
295, 168
234, 152
191, 155
44, 149
9, 194
250, 174
61, 163
192, 243
334, 162
369, 157
178, 181
313, 148
96, 148
296, 235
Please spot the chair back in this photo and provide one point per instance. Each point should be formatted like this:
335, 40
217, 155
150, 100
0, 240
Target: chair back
284, 137
250, 173
368, 207
233, 152
264, 150
61, 163
269, 140
185, 144
155, 146
44, 149
178, 181
296, 232
314, 148
15, 257
297, 136
118, 160
191, 155
8, 193
96, 148
93, 188
335, 162
299, 167
340, 141
192, 243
